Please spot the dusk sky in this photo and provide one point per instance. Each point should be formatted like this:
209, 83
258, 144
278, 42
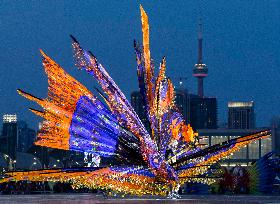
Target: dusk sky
241, 47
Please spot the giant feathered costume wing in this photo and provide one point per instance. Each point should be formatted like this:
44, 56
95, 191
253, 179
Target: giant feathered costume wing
107, 125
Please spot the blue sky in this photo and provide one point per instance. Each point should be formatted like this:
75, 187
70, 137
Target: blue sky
241, 47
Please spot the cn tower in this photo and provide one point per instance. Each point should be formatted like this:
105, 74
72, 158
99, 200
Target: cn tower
200, 70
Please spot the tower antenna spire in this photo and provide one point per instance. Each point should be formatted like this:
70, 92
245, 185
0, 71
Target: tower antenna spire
200, 39
200, 69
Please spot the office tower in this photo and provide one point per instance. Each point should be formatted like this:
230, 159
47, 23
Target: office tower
203, 112
26, 136
182, 101
9, 138
241, 115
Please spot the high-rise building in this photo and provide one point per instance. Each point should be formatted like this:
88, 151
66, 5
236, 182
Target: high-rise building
26, 136
200, 69
9, 138
203, 112
182, 101
241, 115
16, 136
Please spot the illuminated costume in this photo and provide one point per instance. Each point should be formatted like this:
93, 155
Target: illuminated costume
107, 125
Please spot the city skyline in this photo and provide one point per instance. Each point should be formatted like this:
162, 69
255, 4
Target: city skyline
238, 58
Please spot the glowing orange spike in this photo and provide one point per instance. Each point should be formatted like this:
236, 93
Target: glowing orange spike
147, 55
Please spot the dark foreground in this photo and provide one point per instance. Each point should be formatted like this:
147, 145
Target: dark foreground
95, 198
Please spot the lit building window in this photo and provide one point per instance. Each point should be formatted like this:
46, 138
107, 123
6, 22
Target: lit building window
254, 150
240, 154
218, 139
266, 146
204, 141
9, 118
